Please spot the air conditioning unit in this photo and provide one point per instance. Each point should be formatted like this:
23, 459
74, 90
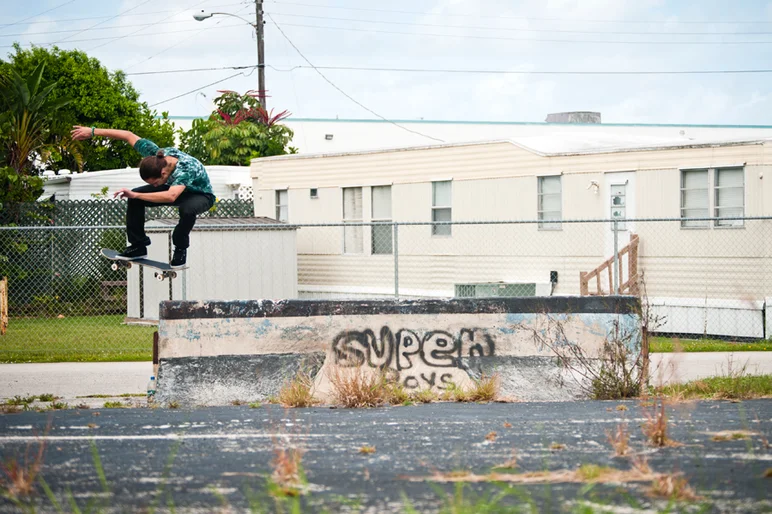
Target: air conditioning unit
496, 289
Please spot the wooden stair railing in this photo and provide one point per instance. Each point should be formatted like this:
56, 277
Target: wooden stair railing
629, 286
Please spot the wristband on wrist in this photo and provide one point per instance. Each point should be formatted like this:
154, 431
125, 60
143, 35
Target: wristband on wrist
92, 131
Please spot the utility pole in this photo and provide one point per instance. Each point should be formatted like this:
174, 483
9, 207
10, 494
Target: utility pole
260, 53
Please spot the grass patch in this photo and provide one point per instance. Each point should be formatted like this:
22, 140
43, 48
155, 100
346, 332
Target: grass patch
76, 339
743, 387
115, 405
298, 392
668, 345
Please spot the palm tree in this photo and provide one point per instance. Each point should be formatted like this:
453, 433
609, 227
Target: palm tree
25, 117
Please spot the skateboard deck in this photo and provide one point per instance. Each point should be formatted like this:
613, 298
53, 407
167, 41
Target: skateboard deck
164, 268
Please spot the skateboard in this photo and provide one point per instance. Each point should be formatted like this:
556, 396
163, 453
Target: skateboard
164, 269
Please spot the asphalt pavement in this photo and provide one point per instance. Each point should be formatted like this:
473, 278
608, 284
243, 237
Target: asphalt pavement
216, 459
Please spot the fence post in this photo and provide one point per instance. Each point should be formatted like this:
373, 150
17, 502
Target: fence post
396, 260
616, 257
3, 305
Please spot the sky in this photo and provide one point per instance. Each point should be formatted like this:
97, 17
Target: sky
529, 37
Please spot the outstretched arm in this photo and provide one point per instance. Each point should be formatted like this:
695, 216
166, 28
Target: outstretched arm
80, 133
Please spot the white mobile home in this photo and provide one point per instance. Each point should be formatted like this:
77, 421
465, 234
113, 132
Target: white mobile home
228, 182
705, 275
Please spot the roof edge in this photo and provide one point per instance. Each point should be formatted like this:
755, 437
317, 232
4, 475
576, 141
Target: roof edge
589, 151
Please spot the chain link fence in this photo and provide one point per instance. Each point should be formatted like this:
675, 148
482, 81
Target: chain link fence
700, 278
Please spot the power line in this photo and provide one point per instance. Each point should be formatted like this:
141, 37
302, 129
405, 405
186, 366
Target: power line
343, 92
101, 22
117, 38
110, 38
178, 43
198, 89
190, 70
529, 18
542, 40
529, 72
62, 20
464, 71
563, 31
36, 15
109, 27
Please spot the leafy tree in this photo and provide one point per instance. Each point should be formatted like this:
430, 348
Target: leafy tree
239, 130
99, 98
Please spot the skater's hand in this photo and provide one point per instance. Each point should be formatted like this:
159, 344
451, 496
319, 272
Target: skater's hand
124, 193
80, 133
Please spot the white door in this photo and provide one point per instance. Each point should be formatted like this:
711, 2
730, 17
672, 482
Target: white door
619, 193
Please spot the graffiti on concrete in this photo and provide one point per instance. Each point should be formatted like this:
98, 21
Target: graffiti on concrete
432, 360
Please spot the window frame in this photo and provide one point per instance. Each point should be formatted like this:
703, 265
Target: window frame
435, 208
550, 225
373, 218
712, 190
279, 205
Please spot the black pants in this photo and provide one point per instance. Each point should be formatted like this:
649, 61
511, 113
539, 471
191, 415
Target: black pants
190, 204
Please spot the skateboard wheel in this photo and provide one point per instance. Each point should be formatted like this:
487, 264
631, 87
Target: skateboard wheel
128, 265
173, 274
159, 276
114, 266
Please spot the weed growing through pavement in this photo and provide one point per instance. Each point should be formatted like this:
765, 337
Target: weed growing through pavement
556, 447
238, 403
655, 426
173, 405
424, 396
47, 397
115, 405
673, 487
298, 392
21, 400
366, 449
255, 405
485, 389
18, 477
363, 388
592, 472
619, 439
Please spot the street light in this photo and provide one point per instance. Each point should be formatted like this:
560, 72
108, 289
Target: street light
258, 26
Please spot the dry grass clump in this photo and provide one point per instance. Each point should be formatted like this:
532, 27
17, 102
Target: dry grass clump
424, 396
591, 473
367, 450
510, 464
486, 389
18, 479
619, 439
673, 487
356, 388
298, 392
732, 435
655, 426
556, 447
287, 476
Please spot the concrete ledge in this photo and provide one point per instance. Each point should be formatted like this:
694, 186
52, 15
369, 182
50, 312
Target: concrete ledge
216, 352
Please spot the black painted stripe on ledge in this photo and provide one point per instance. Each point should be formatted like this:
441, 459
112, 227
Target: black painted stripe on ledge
302, 308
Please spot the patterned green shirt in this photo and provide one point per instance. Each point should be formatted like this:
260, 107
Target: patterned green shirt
189, 171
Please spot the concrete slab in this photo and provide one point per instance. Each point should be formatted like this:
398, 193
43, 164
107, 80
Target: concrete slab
69, 380
668, 368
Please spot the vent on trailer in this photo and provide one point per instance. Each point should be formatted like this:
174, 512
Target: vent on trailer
493, 289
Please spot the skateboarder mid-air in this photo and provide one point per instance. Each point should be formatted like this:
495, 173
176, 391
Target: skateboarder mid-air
173, 178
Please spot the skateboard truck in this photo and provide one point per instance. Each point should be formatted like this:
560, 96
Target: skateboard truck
162, 275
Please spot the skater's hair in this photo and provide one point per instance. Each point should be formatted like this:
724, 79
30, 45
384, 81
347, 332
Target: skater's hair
151, 166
